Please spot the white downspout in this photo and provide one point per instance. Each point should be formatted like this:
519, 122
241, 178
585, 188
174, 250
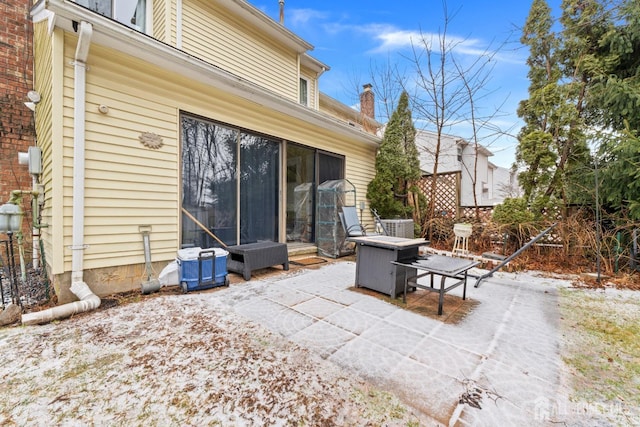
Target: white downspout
80, 70
88, 300
35, 231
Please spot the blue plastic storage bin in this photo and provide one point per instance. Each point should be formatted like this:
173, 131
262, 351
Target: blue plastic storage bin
202, 268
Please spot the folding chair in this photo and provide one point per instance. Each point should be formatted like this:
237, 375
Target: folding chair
351, 222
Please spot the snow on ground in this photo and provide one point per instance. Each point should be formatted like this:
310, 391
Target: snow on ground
178, 360
247, 355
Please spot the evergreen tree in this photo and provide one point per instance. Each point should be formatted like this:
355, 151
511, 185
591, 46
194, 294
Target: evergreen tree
397, 165
584, 88
535, 149
613, 65
553, 143
615, 99
620, 186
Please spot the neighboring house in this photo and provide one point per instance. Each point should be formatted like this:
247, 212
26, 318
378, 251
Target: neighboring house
151, 107
460, 156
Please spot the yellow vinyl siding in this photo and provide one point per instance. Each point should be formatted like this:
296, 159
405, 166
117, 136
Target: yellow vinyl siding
127, 184
210, 33
43, 84
49, 63
350, 116
164, 17
123, 178
161, 19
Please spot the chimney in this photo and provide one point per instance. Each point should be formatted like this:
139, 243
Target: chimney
367, 102
281, 11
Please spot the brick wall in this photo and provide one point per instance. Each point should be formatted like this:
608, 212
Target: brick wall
16, 79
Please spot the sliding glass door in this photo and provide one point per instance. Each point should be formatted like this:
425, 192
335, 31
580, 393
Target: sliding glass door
259, 172
301, 167
306, 169
229, 185
209, 183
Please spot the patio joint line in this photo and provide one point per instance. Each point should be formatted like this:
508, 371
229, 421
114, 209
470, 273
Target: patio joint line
455, 417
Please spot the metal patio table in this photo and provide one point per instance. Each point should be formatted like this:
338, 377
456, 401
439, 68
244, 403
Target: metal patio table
443, 266
374, 255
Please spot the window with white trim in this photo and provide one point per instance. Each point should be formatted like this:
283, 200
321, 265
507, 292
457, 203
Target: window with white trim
304, 91
131, 13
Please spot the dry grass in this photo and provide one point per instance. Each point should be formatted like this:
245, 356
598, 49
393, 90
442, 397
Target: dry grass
601, 347
570, 248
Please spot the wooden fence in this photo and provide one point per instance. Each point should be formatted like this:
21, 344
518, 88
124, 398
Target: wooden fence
447, 195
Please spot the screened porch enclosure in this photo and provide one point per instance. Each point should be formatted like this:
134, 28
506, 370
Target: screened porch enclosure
229, 184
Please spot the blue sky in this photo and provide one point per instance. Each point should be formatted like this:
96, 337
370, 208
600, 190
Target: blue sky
351, 35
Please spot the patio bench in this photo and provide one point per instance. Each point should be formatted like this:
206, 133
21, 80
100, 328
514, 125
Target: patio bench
246, 258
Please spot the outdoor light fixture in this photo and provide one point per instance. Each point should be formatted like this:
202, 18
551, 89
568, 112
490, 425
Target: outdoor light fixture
34, 98
10, 222
10, 218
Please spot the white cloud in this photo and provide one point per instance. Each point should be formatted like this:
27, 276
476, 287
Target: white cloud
300, 17
389, 38
392, 39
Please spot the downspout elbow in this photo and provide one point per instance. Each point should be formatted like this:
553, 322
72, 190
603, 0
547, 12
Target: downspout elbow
87, 301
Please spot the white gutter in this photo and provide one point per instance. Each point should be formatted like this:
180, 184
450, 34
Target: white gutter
88, 300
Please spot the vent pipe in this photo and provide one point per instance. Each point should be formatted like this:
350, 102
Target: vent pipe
281, 11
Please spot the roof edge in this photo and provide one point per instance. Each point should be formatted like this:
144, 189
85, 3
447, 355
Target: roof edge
117, 36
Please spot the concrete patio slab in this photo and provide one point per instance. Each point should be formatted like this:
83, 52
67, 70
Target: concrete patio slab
505, 346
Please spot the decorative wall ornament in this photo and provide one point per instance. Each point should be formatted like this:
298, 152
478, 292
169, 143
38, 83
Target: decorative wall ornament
151, 140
